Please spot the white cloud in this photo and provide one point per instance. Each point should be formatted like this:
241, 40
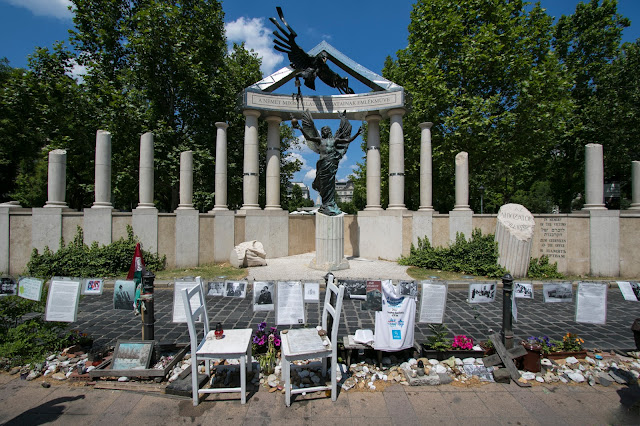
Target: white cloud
77, 72
56, 8
310, 175
295, 156
343, 160
255, 36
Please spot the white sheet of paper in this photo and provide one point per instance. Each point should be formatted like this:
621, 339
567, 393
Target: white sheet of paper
62, 303
364, 336
289, 303
627, 291
312, 292
514, 308
179, 315
30, 288
591, 303
523, 290
433, 302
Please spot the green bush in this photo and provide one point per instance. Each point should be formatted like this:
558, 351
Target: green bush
478, 256
79, 260
542, 269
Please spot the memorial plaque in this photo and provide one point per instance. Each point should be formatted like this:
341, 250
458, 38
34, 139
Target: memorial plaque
433, 302
553, 240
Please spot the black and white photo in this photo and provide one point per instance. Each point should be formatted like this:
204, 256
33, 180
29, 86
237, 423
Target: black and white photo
263, 295
215, 288
8, 286
123, 295
482, 292
312, 292
236, 289
408, 288
557, 292
523, 290
354, 289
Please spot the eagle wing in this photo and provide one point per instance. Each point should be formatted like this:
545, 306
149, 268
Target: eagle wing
333, 79
285, 42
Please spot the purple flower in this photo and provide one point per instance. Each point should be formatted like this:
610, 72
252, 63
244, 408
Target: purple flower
276, 342
262, 326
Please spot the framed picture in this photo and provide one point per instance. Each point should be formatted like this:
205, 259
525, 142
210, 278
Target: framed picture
409, 288
8, 286
236, 289
93, 286
558, 292
523, 290
312, 292
482, 292
354, 289
373, 300
132, 355
179, 314
30, 288
263, 295
123, 294
215, 288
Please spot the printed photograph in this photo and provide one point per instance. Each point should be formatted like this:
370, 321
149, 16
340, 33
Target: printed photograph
354, 289
236, 289
408, 288
482, 293
8, 286
558, 292
263, 295
92, 286
215, 288
132, 355
373, 301
636, 288
312, 292
523, 290
123, 295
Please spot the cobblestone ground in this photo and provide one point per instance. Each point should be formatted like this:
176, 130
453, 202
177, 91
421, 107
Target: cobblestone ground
106, 325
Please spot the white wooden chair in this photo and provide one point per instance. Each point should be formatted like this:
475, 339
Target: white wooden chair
236, 344
306, 343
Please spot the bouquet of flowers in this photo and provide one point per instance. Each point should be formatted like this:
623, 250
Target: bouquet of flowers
462, 342
264, 346
546, 344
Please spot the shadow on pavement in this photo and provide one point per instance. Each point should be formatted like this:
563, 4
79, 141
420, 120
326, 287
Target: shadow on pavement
43, 413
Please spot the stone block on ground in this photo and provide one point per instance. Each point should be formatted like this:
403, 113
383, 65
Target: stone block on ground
248, 254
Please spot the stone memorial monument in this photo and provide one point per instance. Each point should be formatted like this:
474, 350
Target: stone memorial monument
514, 234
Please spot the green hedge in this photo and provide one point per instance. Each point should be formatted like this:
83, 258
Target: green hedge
478, 256
79, 260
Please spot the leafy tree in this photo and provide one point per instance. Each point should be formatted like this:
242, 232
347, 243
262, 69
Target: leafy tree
296, 200
483, 72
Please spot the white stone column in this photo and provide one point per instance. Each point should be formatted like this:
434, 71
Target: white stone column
396, 160
426, 170
373, 162
57, 178
186, 181
593, 177
273, 164
103, 171
221, 167
146, 171
462, 182
635, 185
250, 182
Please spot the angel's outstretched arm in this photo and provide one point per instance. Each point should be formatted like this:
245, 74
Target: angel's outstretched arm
306, 135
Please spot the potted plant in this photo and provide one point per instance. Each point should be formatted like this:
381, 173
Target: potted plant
440, 347
265, 344
535, 346
570, 345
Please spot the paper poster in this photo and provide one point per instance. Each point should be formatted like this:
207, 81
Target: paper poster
312, 292
179, 315
263, 295
93, 286
591, 303
236, 289
289, 303
30, 288
433, 302
557, 293
354, 289
8, 286
373, 301
482, 292
62, 302
123, 294
408, 288
630, 290
523, 290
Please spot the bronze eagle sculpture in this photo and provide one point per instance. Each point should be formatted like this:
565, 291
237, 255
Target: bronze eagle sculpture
308, 67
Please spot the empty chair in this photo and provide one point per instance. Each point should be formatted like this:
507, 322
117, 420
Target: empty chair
235, 344
306, 343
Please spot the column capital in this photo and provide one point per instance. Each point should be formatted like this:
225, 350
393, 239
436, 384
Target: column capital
251, 113
273, 119
396, 111
425, 125
373, 118
222, 125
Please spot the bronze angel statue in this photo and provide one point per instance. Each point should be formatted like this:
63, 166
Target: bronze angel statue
331, 149
308, 67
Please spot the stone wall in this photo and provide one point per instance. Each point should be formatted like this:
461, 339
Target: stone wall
570, 240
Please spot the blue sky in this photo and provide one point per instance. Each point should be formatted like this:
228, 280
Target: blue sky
367, 33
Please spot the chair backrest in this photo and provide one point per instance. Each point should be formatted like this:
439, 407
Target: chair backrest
333, 309
195, 307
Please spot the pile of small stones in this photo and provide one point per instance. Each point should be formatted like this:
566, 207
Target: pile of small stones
57, 366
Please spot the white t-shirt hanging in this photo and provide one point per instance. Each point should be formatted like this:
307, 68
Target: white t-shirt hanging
396, 322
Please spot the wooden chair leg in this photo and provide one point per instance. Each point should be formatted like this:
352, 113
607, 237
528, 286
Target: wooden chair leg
243, 379
286, 366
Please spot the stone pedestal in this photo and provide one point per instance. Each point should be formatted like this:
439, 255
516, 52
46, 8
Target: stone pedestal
514, 234
97, 226
329, 243
57, 179
223, 234
144, 221
593, 177
635, 185
380, 234
187, 237
604, 242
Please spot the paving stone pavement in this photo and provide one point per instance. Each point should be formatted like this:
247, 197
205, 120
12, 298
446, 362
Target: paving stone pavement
106, 325
27, 403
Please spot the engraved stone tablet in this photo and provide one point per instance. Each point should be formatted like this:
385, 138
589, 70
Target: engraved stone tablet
514, 232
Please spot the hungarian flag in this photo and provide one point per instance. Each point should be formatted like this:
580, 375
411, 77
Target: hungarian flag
137, 264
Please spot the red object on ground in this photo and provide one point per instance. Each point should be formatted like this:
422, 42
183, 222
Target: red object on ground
137, 264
